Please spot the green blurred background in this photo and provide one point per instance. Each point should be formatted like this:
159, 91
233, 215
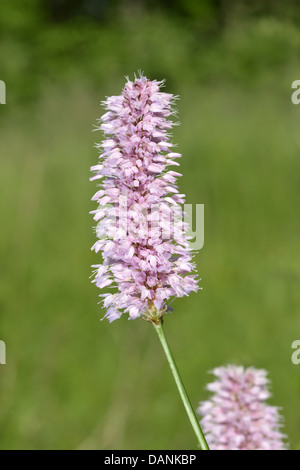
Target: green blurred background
72, 382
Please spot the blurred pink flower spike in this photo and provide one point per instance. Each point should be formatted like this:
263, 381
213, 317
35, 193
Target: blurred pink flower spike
236, 417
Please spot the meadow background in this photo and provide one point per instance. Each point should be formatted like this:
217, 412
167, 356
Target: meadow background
72, 382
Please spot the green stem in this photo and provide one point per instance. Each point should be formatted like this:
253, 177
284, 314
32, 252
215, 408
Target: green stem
186, 401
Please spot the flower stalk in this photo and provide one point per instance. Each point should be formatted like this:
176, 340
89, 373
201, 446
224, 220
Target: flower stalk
158, 326
141, 229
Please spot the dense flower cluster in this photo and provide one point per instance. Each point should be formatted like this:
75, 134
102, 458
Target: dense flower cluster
142, 237
236, 417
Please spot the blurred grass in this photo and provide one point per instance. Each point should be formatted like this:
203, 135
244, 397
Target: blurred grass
73, 382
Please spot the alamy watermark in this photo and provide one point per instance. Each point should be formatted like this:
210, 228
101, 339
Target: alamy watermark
2, 92
296, 354
296, 94
2, 352
159, 222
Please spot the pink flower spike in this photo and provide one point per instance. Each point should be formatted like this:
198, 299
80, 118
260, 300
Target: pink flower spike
147, 259
236, 416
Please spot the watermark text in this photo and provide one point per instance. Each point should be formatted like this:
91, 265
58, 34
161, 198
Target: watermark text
162, 222
2, 92
2, 353
296, 354
296, 94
